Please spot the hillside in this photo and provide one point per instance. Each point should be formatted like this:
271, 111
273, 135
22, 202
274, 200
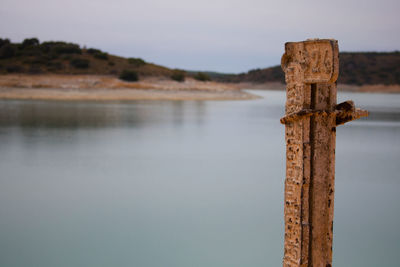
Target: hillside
33, 57
361, 68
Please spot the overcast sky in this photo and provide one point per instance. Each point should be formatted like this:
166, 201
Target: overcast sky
219, 35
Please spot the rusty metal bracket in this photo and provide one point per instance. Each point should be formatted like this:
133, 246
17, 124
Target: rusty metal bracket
347, 111
344, 112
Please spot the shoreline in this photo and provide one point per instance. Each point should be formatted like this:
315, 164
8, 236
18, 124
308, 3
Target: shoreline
109, 88
118, 94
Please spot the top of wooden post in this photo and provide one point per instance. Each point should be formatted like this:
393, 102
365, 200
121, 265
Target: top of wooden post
318, 59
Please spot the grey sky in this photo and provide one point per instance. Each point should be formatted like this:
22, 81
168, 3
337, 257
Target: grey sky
220, 35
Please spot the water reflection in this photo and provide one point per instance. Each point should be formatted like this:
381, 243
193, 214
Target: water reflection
74, 115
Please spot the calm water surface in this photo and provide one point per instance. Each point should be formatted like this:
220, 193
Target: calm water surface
179, 184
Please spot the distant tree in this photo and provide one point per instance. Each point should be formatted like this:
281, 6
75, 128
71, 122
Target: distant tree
201, 76
178, 75
30, 42
79, 63
129, 75
93, 51
67, 48
4, 42
60, 48
137, 62
7, 51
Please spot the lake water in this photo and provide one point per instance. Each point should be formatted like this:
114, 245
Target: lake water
186, 183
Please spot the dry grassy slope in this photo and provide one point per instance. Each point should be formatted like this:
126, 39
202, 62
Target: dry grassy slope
113, 65
99, 66
34, 57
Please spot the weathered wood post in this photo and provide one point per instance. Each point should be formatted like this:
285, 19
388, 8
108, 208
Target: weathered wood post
311, 70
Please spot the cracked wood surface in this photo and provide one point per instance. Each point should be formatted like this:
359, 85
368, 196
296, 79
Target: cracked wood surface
311, 70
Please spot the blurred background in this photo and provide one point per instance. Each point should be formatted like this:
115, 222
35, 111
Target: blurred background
194, 182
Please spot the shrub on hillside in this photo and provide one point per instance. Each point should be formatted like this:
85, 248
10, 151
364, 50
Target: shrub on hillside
67, 49
7, 51
67, 57
129, 75
93, 51
79, 63
34, 69
4, 42
201, 76
137, 62
30, 42
54, 66
178, 75
40, 60
13, 68
101, 55
97, 53
60, 48
30, 51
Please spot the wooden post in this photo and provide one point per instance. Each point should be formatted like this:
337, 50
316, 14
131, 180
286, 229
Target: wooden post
311, 70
